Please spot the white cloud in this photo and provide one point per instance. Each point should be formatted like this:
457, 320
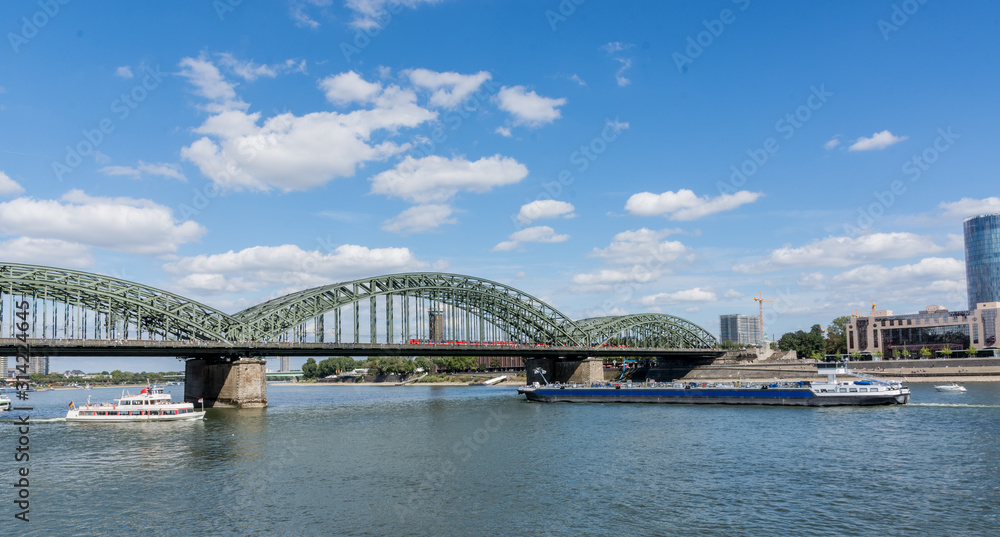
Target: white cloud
210, 84
964, 207
301, 17
435, 179
530, 234
936, 280
9, 186
288, 265
49, 252
503, 131
129, 225
124, 72
539, 209
448, 89
641, 246
527, 107
812, 280
612, 49
420, 218
879, 140
732, 293
604, 279
688, 295
845, 251
292, 152
834, 142
157, 168
349, 87
373, 13
250, 71
685, 205
576, 78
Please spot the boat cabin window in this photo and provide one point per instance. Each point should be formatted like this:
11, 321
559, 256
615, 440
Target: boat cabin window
842, 390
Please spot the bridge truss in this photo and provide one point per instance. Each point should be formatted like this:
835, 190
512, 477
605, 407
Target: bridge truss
396, 308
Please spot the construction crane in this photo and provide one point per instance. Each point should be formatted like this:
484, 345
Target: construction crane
760, 299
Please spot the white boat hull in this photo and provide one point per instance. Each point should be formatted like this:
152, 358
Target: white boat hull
119, 419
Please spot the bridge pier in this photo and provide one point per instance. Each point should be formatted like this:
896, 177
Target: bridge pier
583, 371
226, 384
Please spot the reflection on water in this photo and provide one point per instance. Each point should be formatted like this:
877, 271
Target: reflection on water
419, 460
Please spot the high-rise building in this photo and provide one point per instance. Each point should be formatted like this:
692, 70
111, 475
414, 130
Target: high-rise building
38, 364
283, 364
982, 258
3, 367
740, 329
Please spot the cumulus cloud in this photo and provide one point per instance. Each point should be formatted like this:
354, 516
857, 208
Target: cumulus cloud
879, 140
530, 234
527, 107
503, 131
210, 84
259, 267
246, 151
448, 89
9, 186
420, 218
349, 87
685, 205
541, 209
845, 251
604, 279
124, 72
962, 208
834, 142
688, 295
637, 256
930, 269
49, 252
129, 225
435, 179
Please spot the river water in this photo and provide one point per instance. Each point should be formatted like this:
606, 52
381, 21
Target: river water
420, 460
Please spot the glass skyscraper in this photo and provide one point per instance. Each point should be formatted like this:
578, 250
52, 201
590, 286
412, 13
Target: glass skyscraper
740, 329
982, 258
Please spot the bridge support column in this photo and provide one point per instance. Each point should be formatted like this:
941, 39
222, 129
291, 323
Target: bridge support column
583, 371
226, 384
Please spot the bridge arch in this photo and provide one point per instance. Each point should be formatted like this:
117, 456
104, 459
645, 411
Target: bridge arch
647, 330
111, 305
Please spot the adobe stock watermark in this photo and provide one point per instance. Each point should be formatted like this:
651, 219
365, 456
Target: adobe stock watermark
364, 36
914, 169
22, 452
31, 26
900, 15
714, 28
581, 159
787, 125
122, 108
225, 7
562, 12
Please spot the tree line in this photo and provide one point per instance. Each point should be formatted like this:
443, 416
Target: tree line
385, 365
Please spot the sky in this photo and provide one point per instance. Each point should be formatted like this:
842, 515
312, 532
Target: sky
605, 157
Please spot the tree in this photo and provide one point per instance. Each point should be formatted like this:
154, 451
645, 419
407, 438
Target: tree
803, 343
924, 352
971, 352
309, 369
946, 352
836, 336
495, 363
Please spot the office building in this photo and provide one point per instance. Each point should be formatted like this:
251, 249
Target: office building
982, 258
934, 328
740, 329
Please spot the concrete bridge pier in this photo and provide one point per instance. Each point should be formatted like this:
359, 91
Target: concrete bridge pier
226, 383
584, 370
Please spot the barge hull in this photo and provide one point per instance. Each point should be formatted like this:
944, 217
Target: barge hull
721, 397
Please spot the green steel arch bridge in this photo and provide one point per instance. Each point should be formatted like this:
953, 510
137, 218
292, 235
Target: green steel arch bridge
63, 312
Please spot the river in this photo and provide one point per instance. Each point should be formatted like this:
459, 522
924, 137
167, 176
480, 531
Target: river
460, 460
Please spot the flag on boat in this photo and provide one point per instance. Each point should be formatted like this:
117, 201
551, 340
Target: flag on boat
201, 399
71, 404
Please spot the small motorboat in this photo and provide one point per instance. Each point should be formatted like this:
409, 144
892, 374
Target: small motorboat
953, 387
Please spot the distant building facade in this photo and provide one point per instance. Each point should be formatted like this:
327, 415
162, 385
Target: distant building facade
982, 258
740, 329
38, 364
283, 364
935, 328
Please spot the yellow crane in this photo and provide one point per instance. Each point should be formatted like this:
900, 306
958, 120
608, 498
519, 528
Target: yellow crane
760, 298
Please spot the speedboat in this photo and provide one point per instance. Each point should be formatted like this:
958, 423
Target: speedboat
4, 403
953, 387
151, 404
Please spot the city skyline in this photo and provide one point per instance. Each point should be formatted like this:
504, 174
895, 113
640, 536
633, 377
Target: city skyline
607, 159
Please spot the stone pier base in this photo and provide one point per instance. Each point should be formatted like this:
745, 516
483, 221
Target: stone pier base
581, 371
226, 384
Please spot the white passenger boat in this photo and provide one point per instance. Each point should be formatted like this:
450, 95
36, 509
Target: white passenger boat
4, 403
151, 404
953, 387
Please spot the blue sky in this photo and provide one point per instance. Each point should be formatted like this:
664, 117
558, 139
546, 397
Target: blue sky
606, 157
